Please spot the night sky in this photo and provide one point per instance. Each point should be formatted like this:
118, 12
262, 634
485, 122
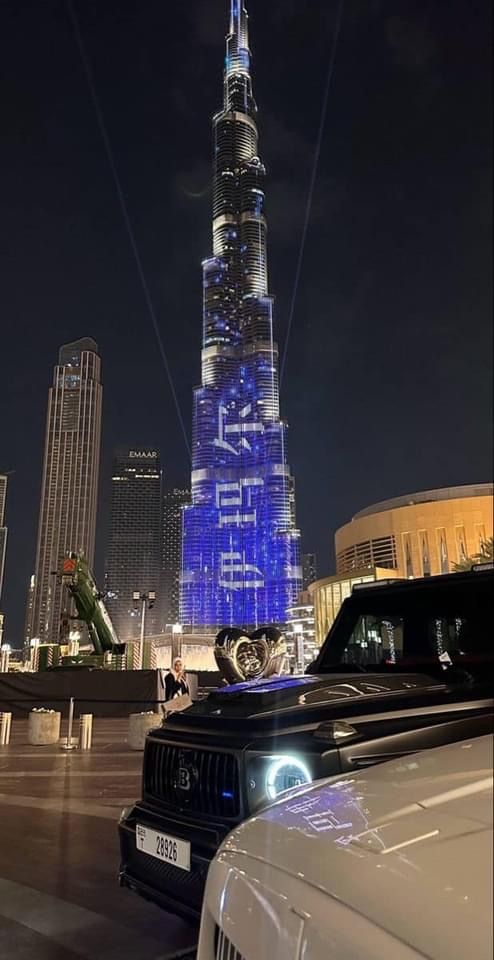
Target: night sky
388, 381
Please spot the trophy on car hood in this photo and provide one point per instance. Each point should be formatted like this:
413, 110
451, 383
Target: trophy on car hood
242, 656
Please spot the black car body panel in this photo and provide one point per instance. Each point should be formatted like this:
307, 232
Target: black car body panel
223, 745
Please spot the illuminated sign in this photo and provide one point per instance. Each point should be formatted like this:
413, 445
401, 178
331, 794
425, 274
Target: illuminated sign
143, 454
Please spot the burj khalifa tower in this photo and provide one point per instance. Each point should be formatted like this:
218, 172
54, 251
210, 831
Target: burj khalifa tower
240, 561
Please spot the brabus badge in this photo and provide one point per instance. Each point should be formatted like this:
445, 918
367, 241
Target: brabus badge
186, 775
184, 779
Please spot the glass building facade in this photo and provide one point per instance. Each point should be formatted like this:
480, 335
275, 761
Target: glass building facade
133, 561
173, 502
240, 561
69, 488
329, 593
301, 634
309, 569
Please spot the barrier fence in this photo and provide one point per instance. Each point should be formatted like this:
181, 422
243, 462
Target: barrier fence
45, 717
78, 697
102, 693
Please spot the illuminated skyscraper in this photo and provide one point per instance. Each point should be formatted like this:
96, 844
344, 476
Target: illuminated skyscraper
69, 491
241, 548
309, 569
133, 562
173, 502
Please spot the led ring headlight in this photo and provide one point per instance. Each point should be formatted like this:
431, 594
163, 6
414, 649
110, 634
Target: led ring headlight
284, 773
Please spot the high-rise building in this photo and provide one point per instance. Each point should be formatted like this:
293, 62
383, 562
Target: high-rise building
3, 540
173, 502
241, 548
133, 562
69, 491
28, 626
309, 569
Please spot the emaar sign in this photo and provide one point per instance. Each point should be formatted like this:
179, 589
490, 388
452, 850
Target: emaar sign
143, 454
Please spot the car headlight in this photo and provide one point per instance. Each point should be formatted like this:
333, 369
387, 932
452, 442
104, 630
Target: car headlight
270, 774
283, 773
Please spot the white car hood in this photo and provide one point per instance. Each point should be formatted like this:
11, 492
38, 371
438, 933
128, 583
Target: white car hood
407, 844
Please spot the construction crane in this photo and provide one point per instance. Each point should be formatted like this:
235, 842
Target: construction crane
88, 600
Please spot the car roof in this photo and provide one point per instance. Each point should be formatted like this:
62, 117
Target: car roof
481, 575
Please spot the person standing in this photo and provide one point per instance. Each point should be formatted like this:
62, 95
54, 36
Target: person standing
176, 681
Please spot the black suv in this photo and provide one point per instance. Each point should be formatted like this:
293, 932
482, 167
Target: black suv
406, 666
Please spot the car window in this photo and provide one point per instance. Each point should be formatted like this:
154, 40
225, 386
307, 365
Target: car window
460, 636
378, 639
375, 640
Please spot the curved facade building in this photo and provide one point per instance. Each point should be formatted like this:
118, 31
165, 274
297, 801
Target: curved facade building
240, 546
328, 594
420, 534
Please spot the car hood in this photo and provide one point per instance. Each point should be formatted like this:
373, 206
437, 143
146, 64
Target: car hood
407, 844
296, 696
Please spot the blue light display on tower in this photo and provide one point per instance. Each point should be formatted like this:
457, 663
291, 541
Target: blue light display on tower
240, 561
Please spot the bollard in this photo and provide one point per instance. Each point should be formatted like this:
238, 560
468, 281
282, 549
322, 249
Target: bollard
69, 742
43, 727
139, 724
85, 731
5, 727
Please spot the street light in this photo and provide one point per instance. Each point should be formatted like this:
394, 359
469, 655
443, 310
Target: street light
147, 603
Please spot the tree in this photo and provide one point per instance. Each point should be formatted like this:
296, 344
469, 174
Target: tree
485, 555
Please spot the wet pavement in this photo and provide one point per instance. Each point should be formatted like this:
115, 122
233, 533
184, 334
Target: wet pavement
59, 894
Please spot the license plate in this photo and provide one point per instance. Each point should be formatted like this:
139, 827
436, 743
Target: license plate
163, 847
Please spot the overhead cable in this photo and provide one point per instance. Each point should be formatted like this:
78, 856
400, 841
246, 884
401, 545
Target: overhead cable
312, 182
125, 213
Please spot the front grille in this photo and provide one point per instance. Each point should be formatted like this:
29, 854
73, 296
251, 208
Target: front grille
224, 947
190, 779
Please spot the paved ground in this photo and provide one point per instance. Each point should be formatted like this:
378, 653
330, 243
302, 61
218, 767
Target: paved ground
59, 897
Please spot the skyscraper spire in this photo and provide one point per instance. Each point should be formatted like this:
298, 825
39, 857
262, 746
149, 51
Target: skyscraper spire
241, 548
239, 24
237, 83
